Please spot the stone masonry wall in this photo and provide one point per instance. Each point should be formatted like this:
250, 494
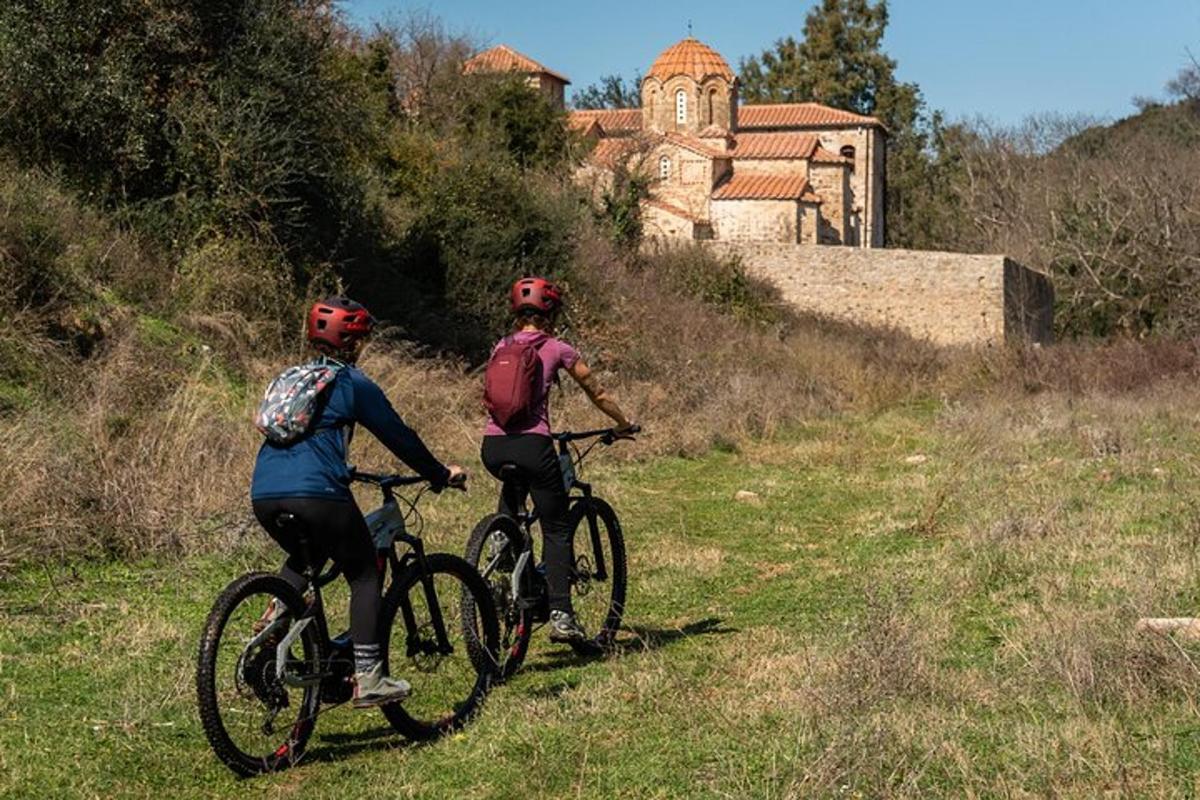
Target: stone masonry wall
948, 298
831, 183
690, 183
773, 220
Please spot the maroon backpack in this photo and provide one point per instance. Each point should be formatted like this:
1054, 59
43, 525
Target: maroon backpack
512, 381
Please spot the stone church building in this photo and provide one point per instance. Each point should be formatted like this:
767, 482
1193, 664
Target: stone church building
763, 183
727, 171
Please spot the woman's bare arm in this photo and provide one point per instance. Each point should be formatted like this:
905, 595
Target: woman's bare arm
584, 376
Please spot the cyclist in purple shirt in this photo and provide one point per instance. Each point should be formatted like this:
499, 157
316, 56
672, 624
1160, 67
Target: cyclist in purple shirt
536, 303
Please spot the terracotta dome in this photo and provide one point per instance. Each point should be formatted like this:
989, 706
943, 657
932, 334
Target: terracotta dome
690, 57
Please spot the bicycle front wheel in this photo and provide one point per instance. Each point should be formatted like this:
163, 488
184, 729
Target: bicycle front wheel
449, 683
256, 717
598, 574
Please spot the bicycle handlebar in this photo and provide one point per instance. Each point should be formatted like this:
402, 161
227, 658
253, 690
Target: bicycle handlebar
608, 434
385, 481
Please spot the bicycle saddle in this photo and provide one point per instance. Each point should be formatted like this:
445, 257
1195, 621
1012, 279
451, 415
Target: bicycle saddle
509, 473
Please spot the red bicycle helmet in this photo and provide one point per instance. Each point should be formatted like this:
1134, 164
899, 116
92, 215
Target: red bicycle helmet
535, 294
338, 322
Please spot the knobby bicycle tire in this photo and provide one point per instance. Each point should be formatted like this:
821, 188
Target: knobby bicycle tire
481, 645
291, 750
612, 542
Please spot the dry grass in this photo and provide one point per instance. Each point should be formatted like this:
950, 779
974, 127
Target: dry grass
149, 446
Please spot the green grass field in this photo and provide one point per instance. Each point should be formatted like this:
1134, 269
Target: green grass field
934, 601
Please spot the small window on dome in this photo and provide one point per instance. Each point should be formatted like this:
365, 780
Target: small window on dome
681, 107
664, 167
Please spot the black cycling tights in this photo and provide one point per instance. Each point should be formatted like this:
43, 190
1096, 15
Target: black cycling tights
336, 529
534, 455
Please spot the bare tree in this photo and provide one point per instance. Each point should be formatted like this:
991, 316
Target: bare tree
425, 60
1112, 213
1186, 84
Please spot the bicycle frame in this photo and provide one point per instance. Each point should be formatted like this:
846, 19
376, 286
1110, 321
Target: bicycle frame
415, 553
315, 609
526, 517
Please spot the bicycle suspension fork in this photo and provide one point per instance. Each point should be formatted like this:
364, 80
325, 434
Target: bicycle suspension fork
599, 571
431, 601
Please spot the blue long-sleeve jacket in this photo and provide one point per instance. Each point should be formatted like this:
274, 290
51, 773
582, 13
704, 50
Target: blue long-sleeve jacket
315, 466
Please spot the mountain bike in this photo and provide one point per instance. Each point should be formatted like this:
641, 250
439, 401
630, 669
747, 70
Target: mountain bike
267, 664
502, 548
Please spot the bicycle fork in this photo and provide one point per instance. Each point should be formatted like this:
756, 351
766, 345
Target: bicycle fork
599, 571
413, 644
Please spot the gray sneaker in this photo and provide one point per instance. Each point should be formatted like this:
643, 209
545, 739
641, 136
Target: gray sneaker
373, 688
565, 628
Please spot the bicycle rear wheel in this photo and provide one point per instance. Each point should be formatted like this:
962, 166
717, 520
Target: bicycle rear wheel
255, 721
598, 575
448, 687
494, 548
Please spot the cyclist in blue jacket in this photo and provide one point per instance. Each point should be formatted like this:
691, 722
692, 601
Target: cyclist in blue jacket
310, 479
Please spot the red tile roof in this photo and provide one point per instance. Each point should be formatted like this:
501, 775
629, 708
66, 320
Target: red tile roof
695, 145
586, 126
798, 115
613, 120
503, 58
689, 57
823, 156
611, 152
774, 145
673, 209
741, 186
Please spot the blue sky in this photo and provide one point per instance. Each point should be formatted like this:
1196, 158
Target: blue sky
1001, 60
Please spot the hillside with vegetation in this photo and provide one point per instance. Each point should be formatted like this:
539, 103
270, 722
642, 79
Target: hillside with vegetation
930, 590
169, 213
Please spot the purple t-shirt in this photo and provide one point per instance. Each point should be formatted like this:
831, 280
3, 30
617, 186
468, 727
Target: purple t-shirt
555, 355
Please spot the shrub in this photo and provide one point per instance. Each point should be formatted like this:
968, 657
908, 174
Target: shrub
467, 232
720, 282
67, 277
513, 118
218, 114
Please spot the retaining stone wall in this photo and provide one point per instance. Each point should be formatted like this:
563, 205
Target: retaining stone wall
949, 298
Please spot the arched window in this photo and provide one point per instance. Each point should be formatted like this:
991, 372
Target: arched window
712, 96
664, 167
848, 152
681, 107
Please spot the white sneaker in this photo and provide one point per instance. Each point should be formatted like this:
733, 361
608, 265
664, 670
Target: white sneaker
373, 688
565, 628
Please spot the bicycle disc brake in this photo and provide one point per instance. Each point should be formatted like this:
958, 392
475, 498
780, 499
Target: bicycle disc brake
424, 650
583, 575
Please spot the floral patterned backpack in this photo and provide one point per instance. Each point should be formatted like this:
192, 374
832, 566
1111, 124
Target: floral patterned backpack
290, 402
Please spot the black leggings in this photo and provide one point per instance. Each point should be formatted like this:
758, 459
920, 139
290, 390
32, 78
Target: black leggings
534, 455
336, 529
